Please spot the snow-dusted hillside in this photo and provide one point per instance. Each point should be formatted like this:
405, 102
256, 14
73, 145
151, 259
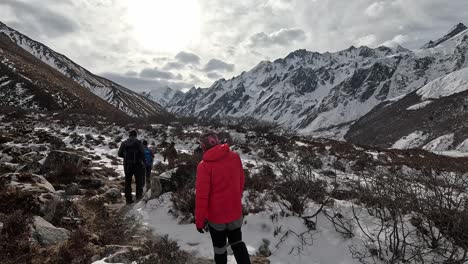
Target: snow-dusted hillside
322, 94
433, 117
124, 99
28, 83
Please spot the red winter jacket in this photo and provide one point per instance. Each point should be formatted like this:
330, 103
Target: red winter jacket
219, 187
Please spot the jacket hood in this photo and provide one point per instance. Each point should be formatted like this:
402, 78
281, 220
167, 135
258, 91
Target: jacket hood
132, 139
216, 153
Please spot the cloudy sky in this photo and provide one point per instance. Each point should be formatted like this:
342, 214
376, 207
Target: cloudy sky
146, 44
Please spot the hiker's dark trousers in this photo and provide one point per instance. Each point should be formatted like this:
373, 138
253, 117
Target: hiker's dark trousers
231, 232
137, 170
147, 180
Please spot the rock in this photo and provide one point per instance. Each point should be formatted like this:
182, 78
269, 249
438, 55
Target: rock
5, 139
29, 192
32, 156
113, 194
103, 189
264, 250
62, 166
72, 189
156, 188
46, 234
91, 183
31, 167
260, 260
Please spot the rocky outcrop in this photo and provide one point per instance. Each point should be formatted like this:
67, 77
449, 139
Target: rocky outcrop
46, 234
62, 166
30, 193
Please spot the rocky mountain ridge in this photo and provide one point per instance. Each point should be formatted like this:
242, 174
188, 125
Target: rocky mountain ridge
122, 98
322, 94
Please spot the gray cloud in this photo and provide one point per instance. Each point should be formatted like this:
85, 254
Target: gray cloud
218, 65
143, 84
281, 37
81, 30
131, 73
214, 75
37, 19
155, 73
188, 58
174, 66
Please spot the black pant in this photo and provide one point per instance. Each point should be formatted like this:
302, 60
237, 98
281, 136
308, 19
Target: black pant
147, 181
139, 171
219, 233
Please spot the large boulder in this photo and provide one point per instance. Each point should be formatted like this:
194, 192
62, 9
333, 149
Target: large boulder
113, 195
156, 188
46, 234
62, 166
27, 192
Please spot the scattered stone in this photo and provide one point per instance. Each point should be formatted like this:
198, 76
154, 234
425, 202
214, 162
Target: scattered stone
46, 234
114, 195
62, 166
5, 139
103, 190
29, 192
72, 189
31, 167
264, 250
260, 260
91, 183
156, 188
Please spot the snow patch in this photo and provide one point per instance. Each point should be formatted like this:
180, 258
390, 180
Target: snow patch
419, 106
441, 143
447, 85
413, 140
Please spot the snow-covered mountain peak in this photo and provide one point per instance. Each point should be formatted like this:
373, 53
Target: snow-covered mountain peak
453, 32
315, 93
163, 95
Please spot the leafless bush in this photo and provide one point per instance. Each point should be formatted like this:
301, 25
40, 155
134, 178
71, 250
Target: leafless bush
15, 246
263, 180
298, 186
419, 218
184, 205
162, 251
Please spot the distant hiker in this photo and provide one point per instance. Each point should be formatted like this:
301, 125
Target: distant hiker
218, 202
170, 153
197, 155
131, 150
149, 159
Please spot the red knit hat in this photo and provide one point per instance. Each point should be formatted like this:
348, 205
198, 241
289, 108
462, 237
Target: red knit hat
208, 140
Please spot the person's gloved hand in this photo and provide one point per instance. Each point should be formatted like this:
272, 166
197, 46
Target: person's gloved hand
203, 229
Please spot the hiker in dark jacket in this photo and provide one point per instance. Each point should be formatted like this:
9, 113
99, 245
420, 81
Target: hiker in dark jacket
149, 158
170, 153
131, 150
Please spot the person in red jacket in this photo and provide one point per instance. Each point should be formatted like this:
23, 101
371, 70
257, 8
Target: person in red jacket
218, 203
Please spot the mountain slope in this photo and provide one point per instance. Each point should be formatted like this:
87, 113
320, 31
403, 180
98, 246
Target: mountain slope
435, 113
28, 83
124, 99
323, 94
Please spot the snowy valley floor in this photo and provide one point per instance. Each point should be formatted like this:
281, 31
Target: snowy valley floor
306, 200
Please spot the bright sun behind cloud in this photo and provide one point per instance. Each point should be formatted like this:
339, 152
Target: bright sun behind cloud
165, 25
